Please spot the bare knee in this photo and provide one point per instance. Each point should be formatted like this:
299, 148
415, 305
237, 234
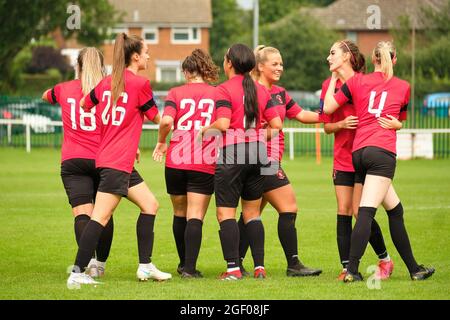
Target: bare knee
345, 209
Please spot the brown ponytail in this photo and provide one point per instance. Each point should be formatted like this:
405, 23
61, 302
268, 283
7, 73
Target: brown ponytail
200, 63
124, 47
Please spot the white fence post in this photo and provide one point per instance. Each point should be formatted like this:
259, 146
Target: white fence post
28, 136
291, 144
9, 129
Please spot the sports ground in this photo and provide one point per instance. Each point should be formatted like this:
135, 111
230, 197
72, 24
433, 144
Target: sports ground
37, 243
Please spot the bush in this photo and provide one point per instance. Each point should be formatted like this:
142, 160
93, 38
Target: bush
35, 84
45, 58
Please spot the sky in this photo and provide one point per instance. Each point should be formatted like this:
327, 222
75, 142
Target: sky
246, 4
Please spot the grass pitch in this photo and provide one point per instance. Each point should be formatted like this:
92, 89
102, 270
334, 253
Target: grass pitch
37, 242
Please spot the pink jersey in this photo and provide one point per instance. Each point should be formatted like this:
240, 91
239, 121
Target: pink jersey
122, 123
230, 105
285, 107
191, 106
343, 139
81, 129
373, 97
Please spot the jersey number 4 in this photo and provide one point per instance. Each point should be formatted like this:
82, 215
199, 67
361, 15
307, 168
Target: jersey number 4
185, 124
377, 112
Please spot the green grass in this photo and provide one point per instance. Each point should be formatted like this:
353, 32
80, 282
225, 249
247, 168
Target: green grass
37, 242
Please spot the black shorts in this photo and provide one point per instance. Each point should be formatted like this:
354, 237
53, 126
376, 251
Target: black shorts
117, 181
374, 161
343, 178
135, 178
80, 179
180, 182
239, 173
276, 179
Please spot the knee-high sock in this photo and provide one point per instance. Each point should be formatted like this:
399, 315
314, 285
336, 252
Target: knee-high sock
376, 240
243, 239
229, 239
360, 236
255, 233
287, 233
344, 235
192, 240
80, 222
400, 237
179, 229
145, 236
88, 243
105, 241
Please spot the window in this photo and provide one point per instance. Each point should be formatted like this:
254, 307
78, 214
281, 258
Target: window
150, 35
168, 71
186, 35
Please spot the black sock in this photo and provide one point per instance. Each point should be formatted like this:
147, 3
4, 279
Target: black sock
80, 223
144, 231
360, 236
88, 243
229, 239
104, 243
243, 239
376, 240
344, 236
193, 241
287, 233
400, 237
179, 228
255, 233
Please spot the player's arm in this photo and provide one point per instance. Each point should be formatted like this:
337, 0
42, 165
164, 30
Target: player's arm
45, 94
223, 114
170, 112
221, 124
51, 95
351, 122
330, 103
274, 128
306, 116
90, 100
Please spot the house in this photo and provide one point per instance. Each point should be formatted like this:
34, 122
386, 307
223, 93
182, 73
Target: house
366, 22
171, 29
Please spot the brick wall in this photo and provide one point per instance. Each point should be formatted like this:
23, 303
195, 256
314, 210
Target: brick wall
163, 50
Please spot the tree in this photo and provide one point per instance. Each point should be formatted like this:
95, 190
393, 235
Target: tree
24, 20
228, 23
304, 46
432, 50
271, 11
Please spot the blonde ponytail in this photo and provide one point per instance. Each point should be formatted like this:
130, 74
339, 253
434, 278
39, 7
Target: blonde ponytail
383, 54
90, 67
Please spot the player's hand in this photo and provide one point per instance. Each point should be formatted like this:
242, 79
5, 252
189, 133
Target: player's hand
351, 122
160, 150
199, 136
138, 155
390, 123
